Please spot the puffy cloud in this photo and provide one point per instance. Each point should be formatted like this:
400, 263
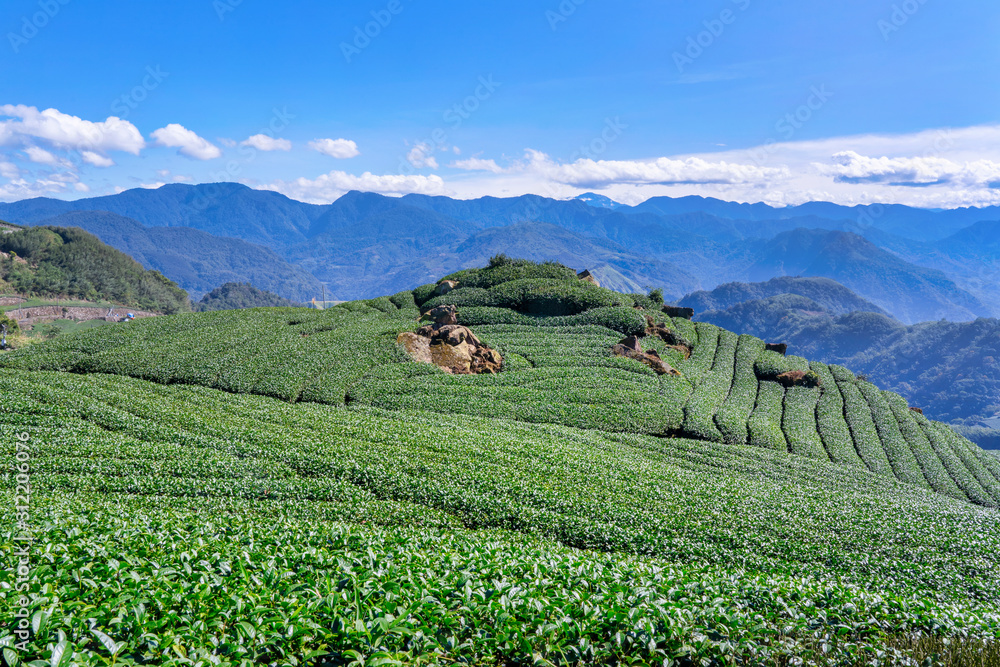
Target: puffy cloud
589, 173
20, 188
851, 167
421, 156
97, 159
42, 156
9, 170
329, 187
477, 164
262, 142
67, 132
338, 148
187, 142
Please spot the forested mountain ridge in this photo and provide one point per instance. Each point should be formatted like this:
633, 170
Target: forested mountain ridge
194, 259
68, 262
365, 244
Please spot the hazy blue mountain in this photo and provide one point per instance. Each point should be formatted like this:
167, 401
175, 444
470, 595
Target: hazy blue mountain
911, 293
597, 201
223, 209
366, 244
195, 260
905, 221
826, 294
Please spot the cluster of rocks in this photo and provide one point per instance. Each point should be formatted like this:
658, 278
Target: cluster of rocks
450, 346
800, 379
668, 336
631, 348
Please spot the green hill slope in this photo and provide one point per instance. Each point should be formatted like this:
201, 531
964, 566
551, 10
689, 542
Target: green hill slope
556, 334
69, 262
273, 483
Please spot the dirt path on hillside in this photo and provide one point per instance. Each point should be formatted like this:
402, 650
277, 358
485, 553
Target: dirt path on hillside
27, 317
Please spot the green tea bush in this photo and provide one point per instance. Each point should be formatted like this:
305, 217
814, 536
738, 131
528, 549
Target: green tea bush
863, 431
765, 422
770, 365
830, 421
930, 463
711, 393
424, 293
508, 271
735, 412
799, 423
901, 457
403, 300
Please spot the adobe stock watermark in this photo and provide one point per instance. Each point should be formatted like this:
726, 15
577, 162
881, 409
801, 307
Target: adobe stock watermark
698, 43
900, 16
562, 13
223, 7
453, 118
123, 105
613, 129
280, 119
788, 125
31, 25
364, 35
23, 539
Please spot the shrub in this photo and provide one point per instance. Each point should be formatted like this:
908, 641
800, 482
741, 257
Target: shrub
423, 293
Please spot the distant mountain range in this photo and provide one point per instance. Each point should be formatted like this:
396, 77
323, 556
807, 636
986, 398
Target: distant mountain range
913, 263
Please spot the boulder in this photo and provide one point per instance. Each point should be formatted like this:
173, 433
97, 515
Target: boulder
780, 348
588, 277
452, 348
442, 315
800, 379
919, 411
445, 287
632, 343
674, 311
630, 348
668, 336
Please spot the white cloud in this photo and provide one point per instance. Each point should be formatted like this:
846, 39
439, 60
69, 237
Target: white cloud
165, 175
20, 188
850, 167
477, 164
97, 159
81, 187
67, 132
188, 143
588, 173
420, 156
42, 156
338, 148
952, 166
9, 170
328, 187
262, 142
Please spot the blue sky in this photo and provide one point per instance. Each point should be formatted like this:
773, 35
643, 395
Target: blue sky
739, 99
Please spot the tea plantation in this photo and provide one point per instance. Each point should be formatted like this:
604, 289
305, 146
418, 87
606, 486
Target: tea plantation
285, 486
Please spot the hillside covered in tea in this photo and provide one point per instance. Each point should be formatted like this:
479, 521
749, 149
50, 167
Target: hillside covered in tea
289, 486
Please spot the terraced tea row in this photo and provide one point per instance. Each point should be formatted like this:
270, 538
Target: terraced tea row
186, 521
